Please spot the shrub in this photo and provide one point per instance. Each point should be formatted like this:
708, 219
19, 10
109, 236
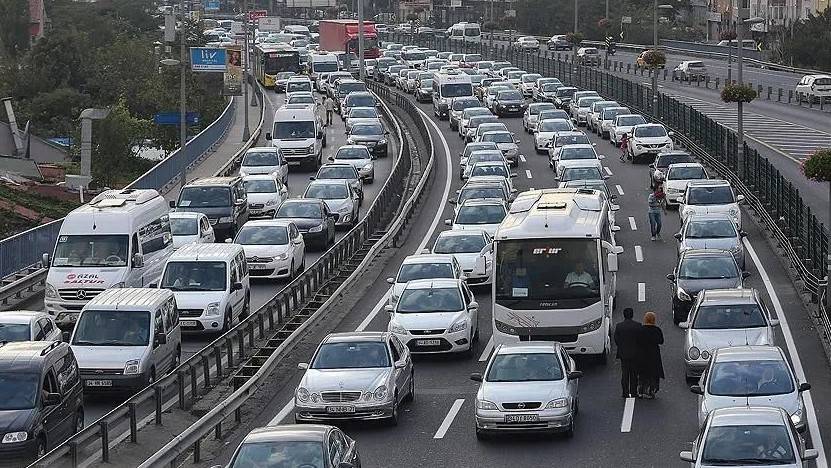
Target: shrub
603, 24
574, 38
818, 166
727, 35
738, 93
654, 58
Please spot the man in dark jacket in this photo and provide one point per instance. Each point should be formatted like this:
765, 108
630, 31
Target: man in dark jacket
627, 334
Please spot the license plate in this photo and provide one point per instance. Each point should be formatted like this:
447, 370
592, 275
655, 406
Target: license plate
521, 418
428, 342
340, 409
98, 383
294, 163
254, 266
188, 323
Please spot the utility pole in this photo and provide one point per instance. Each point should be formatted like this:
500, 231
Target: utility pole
574, 45
607, 10
361, 71
183, 64
740, 121
246, 132
654, 48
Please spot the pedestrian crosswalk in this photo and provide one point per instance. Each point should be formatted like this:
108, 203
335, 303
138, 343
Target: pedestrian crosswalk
794, 140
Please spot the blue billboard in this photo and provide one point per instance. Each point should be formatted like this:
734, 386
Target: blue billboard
211, 5
207, 59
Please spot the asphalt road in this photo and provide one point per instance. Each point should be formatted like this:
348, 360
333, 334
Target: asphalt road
438, 428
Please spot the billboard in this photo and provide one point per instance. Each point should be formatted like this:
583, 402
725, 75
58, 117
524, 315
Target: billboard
211, 5
232, 82
311, 3
208, 59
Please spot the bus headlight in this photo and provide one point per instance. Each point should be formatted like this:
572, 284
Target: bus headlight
591, 326
51, 292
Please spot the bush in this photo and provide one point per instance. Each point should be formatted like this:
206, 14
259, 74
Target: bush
574, 38
738, 93
818, 166
490, 26
727, 35
654, 58
603, 24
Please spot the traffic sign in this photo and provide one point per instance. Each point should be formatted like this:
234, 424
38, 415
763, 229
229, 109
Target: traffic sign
207, 59
211, 5
172, 118
254, 15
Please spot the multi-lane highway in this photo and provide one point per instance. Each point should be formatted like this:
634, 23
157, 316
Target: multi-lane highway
437, 428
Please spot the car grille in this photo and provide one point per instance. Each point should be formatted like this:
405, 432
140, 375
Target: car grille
340, 397
436, 331
94, 372
190, 312
259, 259
522, 405
444, 345
557, 338
71, 294
256, 206
295, 151
213, 220
658, 145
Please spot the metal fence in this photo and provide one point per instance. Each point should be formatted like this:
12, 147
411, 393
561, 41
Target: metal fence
776, 201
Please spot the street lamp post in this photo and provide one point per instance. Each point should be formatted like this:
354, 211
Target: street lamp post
742, 20
655, 47
574, 43
361, 71
183, 67
246, 132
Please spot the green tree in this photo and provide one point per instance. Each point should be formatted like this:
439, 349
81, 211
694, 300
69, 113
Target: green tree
56, 112
807, 45
114, 162
14, 27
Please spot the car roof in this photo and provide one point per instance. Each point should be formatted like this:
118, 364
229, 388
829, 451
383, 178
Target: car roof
433, 283
729, 296
259, 177
298, 200
528, 347
747, 416
352, 147
185, 214
345, 337
288, 432
20, 356
208, 181
571, 133
276, 222
462, 233
428, 258
709, 183
484, 202
749, 353
578, 146
687, 164
19, 316
709, 217
704, 253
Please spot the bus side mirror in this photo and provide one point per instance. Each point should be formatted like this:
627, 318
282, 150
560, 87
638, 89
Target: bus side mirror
45, 260
611, 261
268, 136
138, 260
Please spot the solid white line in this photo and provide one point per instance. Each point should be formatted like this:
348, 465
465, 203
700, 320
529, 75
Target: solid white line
487, 351
632, 224
608, 171
448, 420
619, 189
522, 158
641, 292
638, 253
628, 413
283, 413
528, 173
813, 425
374, 312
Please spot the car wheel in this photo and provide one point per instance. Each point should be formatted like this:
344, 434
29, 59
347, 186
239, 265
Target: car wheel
292, 271
177, 358
246, 308
41, 448
393, 419
79, 421
226, 321
570, 431
411, 392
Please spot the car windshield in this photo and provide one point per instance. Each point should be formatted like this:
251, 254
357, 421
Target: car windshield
468, 243
91, 251
18, 391
480, 214
490, 170
338, 172
747, 445
479, 119
686, 173
468, 113
323, 67
718, 316
112, 328
351, 86
430, 300
588, 101
14, 332
367, 130
285, 75
360, 100
498, 137
551, 114
580, 139
664, 160
696, 268
183, 227
719, 195
194, 276
480, 192
462, 104
413, 55
261, 158
486, 155
294, 86
351, 355
598, 185
590, 51
550, 87
515, 75
327, 191
509, 95
710, 228
536, 109
565, 92
531, 367
450, 90
417, 271
260, 186
478, 146
610, 114
651, 131
630, 121
573, 153
363, 113
472, 57
580, 173
352, 152
426, 84
294, 130
299, 210
750, 378
280, 454
300, 99
530, 78
262, 235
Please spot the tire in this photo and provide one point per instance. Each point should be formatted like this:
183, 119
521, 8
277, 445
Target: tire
41, 447
393, 419
292, 271
226, 322
570, 431
246, 309
177, 358
79, 421
411, 392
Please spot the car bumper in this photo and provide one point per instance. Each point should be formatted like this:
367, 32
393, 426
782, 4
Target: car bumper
65, 312
515, 110
315, 237
444, 343
548, 420
18, 454
362, 412
593, 342
273, 269
117, 383
264, 213
201, 323
345, 219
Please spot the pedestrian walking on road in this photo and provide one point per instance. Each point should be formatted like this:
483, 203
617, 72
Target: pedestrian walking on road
657, 206
627, 336
652, 368
329, 104
624, 147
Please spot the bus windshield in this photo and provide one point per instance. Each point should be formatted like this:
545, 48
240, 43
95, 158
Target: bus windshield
275, 62
456, 90
562, 271
323, 67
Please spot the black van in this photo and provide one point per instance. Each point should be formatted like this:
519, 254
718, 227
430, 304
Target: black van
41, 398
222, 199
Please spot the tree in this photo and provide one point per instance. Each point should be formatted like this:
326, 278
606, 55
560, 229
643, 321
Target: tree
818, 166
14, 27
114, 162
733, 92
807, 45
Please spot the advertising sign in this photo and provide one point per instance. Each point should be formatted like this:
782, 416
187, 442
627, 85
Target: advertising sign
232, 83
254, 15
211, 5
311, 3
207, 59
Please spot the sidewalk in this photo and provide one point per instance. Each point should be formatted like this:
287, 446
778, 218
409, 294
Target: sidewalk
229, 145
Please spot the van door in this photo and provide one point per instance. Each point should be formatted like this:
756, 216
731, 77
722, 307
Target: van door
156, 246
235, 297
54, 416
161, 351
135, 277
174, 332
69, 383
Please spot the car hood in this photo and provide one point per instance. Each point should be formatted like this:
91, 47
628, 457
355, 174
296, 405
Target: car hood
264, 198
713, 339
651, 140
466, 260
198, 299
511, 102
489, 228
335, 205
624, 129
251, 170
305, 223
264, 250
562, 165
294, 143
428, 320
789, 402
365, 138
709, 209
715, 243
541, 136
676, 184
179, 241
356, 163
506, 392
107, 357
16, 420
365, 380
694, 286
507, 146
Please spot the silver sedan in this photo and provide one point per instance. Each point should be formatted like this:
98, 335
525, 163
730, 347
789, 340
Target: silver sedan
716, 231
530, 386
358, 376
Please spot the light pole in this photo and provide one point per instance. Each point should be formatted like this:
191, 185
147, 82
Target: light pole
574, 44
361, 71
655, 47
183, 67
246, 132
742, 20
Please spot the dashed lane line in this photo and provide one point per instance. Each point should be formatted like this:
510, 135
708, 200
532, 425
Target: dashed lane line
528, 173
608, 171
632, 225
641, 292
448, 419
522, 158
487, 351
638, 253
628, 414
619, 189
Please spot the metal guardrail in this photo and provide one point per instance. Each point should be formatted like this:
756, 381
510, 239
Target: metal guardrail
21, 251
20, 284
195, 376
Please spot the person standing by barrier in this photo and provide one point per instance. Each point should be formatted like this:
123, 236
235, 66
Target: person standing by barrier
624, 147
657, 205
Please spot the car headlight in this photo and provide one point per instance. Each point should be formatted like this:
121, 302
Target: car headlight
796, 417
314, 398
225, 219
673, 190
242, 173
458, 326
212, 310
317, 228
694, 353
132, 367
368, 167
311, 148
14, 437
705, 354
283, 256
271, 202
382, 141
736, 248
302, 394
682, 295
734, 212
367, 396
558, 403
51, 291
396, 328
591, 326
350, 141
486, 405
638, 146
380, 392
120, 284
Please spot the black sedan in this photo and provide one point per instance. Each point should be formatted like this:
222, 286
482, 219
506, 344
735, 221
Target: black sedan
509, 102
312, 218
371, 135
307, 445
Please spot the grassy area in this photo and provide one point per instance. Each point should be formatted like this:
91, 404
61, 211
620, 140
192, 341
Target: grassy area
11, 223
47, 206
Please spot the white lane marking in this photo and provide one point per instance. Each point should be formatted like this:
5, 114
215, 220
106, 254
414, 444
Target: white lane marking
528, 173
487, 351
641, 292
608, 171
813, 425
628, 413
522, 158
383, 301
619, 189
448, 420
532, 188
632, 224
638, 253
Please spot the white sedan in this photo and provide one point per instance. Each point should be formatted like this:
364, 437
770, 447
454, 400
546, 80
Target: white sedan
24, 325
274, 248
188, 227
469, 247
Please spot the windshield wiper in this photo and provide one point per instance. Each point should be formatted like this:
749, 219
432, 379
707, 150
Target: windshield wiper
744, 461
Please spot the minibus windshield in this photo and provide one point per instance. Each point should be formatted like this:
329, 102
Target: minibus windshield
91, 251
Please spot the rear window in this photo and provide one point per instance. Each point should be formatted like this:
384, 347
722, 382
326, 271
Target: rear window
695, 65
823, 81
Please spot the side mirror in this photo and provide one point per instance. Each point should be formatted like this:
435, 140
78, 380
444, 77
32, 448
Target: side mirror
810, 454
687, 456
391, 280
615, 228
742, 234
229, 241
739, 198
312, 178
517, 141
45, 260
302, 365
236, 286
473, 306
389, 309
400, 364
773, 322
677, 236
680, 199
684, 325
268, 136
51, 399
804, 386
476, 377
696, 389
745, 274
671, 277
171, 204
153, 285
160, 339
611, 261
331, 158
138, 260
614, 207
66, 336
452, 201
671, 133
574, 375
447, 222
514, 174
600, 156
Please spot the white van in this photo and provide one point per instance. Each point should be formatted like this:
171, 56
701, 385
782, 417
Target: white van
211, 285
121, 238
446, 87
468, 32
127, 338
320, 65
300, 135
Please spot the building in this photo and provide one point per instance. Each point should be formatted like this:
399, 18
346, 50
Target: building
721, 14
38, 20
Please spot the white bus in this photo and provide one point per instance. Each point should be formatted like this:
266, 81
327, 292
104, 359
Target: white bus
555, 264
468, 32
446, 87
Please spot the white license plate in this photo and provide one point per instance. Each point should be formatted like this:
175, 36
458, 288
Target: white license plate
254, 266
521, 418
294, 163
98, 383
340, 409
188, 323
428, 342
